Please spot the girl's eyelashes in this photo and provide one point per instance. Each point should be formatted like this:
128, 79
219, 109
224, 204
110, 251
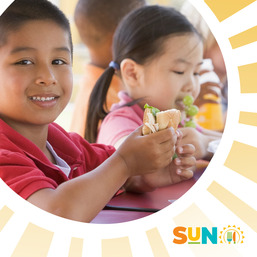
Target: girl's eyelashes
179, 72
182, 72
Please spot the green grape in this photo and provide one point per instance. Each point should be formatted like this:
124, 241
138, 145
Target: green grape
192, 110
190, 123
188, 100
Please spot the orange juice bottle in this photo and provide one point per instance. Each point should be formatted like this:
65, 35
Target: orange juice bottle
210, 115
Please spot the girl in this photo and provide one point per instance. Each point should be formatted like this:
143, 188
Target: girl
158, 54
57, 171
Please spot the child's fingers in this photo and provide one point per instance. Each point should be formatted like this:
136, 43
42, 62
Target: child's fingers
166, 158
185, 173
161, 136
179, 136
164, 136
185, 150
185, 162
167, 147
179, 133
210, 84
138, 131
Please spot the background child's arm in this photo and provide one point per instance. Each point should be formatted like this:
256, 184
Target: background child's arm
83, 197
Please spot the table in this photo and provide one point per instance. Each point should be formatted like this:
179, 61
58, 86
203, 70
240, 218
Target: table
142, 205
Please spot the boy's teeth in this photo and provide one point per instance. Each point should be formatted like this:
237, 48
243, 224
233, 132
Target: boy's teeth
38, 98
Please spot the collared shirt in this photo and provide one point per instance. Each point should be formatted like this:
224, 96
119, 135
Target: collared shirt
26, 169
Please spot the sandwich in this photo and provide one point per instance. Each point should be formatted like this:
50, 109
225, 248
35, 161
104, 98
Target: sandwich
155, 120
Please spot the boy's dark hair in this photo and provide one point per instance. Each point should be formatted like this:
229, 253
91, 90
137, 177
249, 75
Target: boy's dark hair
22, 11
103, 15
140, 37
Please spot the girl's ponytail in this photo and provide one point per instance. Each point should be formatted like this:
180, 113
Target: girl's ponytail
97, 106
140, 36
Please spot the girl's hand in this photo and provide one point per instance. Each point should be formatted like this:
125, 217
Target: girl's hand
145, 154
194, 137
200, 140
185, 163
182, 168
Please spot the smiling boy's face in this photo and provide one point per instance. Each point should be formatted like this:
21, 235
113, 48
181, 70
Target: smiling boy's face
35, 74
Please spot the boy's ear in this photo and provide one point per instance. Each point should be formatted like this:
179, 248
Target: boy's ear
130, 72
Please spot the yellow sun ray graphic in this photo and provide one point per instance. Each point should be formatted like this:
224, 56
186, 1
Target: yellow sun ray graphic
237, 206
116, 247
248, 118
242, 159
224, 9
244, 38
5, 215
76, 247
248, 78
35, 241
156, 243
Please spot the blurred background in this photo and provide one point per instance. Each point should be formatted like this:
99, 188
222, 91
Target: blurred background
81, 54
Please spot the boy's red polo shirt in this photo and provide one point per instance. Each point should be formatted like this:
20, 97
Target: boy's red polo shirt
25, 168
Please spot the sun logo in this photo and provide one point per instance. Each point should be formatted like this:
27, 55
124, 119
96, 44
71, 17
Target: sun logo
231, 235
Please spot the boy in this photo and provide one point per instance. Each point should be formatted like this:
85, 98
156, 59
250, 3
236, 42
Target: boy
57, 171
96, 22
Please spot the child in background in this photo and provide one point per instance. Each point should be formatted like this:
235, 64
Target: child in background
96, 22
57, 171
158, 54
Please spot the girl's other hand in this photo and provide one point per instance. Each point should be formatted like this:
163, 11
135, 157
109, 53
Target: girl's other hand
200, 141
186, 162
180, 169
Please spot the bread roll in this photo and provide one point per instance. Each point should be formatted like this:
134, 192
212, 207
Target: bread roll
163, 120
149, 122
167, 119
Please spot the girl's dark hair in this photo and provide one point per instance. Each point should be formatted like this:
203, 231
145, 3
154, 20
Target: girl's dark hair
140, 37
22, 11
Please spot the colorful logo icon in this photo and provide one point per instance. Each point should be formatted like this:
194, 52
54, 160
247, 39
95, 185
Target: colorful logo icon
231, 235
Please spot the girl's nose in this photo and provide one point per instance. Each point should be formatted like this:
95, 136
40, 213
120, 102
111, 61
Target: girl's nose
46, 77
190, 85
